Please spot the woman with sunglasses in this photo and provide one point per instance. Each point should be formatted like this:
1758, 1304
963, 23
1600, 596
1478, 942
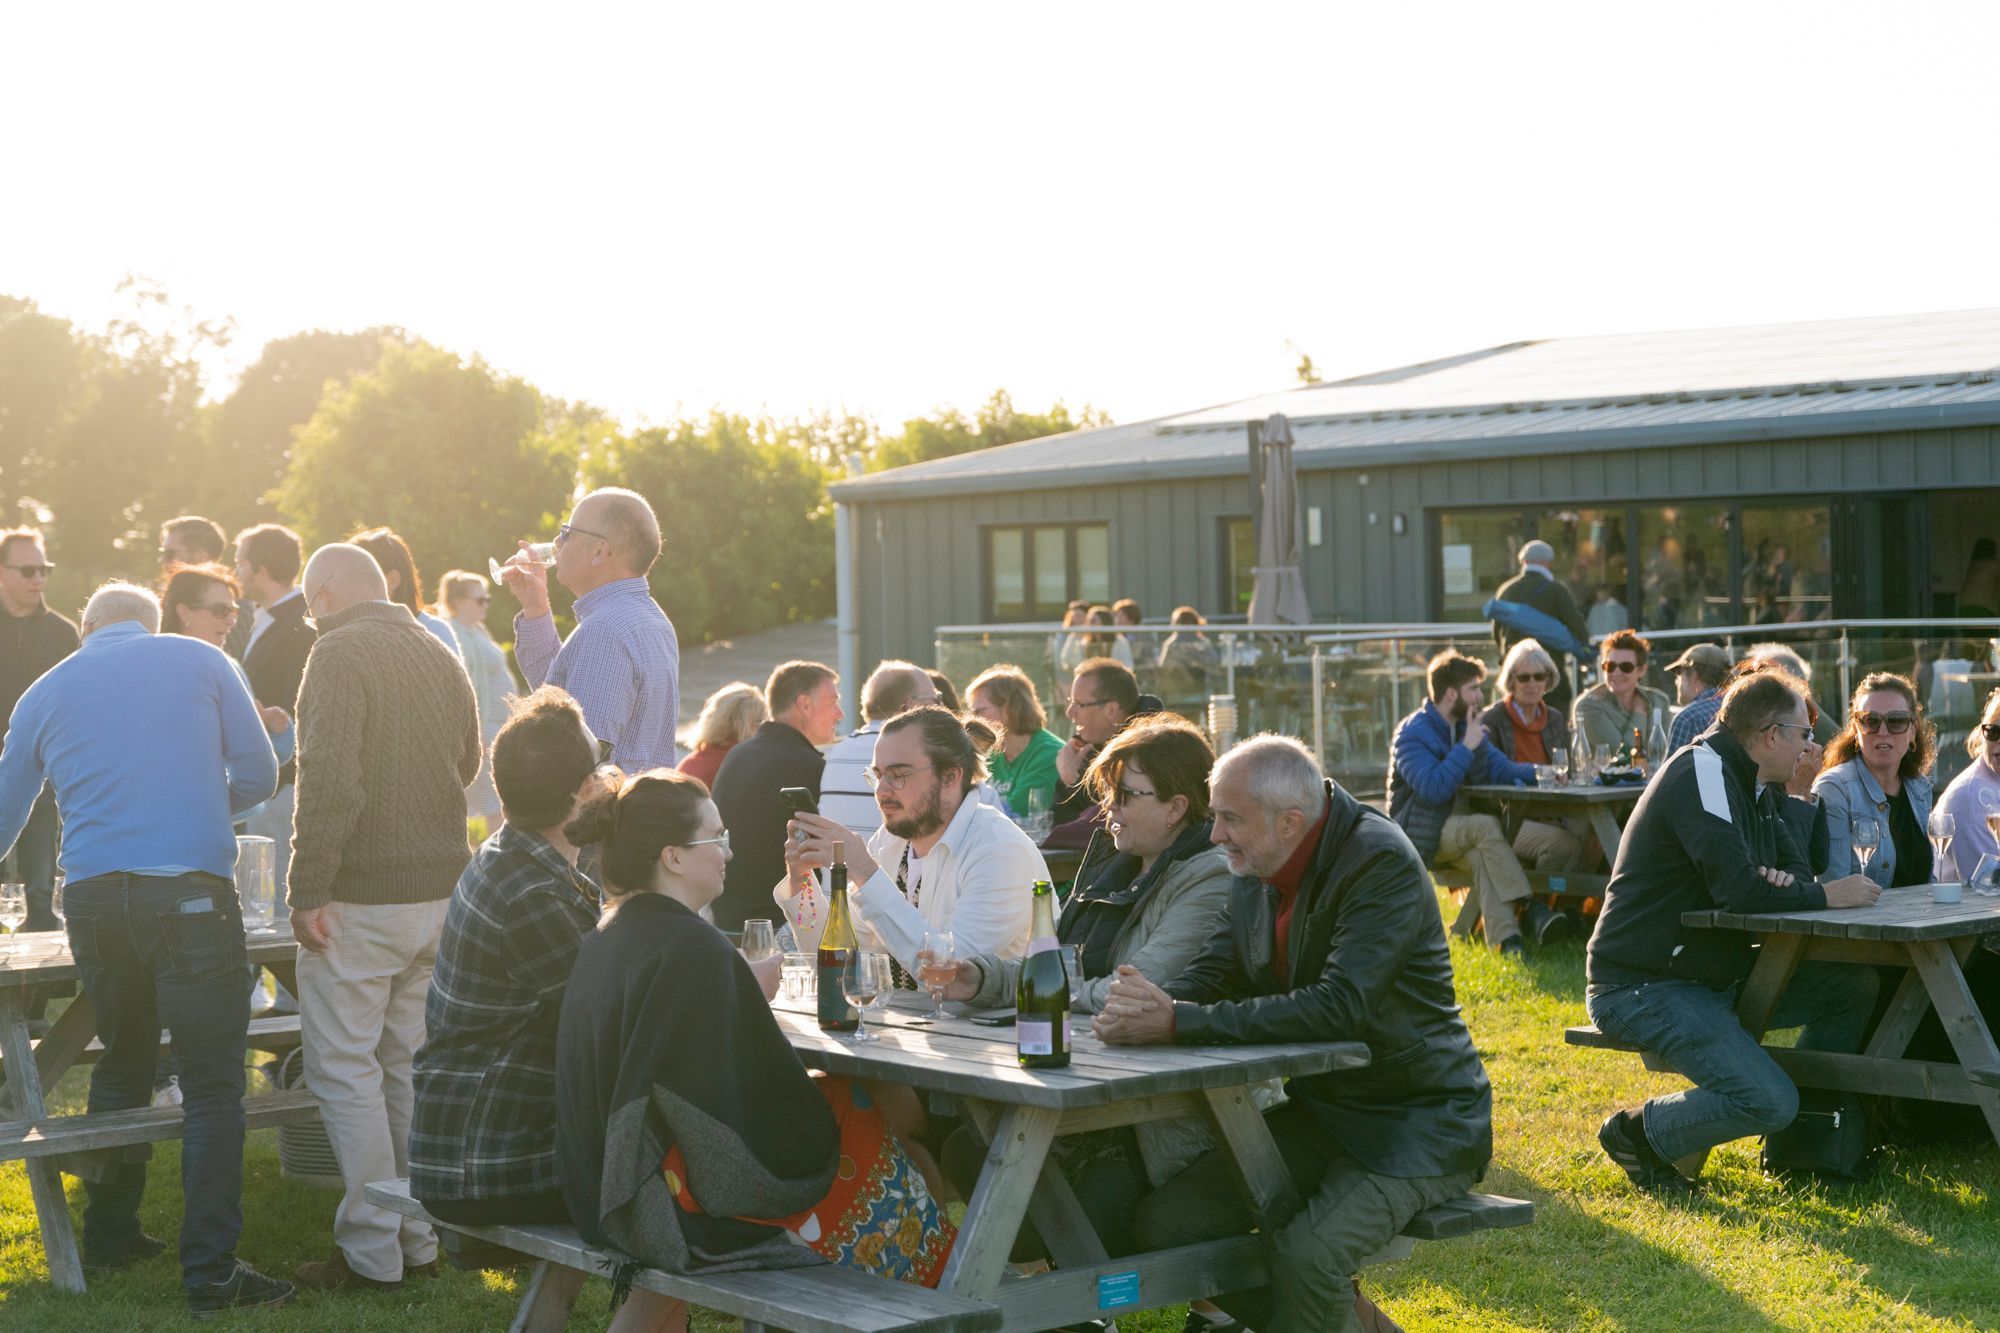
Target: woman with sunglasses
200, 601
1878, 770
1974, 794
1609, 711
1528, 731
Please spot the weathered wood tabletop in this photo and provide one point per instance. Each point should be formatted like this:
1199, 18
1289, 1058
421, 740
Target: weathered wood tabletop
1905, 929
1602, 806
1021, 1112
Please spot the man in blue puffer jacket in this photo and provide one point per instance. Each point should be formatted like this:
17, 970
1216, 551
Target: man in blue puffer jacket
1438, 749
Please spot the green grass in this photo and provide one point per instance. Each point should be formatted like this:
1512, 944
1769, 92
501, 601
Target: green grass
1916, 1247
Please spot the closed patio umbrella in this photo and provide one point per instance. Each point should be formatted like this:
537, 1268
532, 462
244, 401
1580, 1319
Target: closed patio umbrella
1279, 595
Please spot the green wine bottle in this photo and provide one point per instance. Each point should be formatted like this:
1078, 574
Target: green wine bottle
836, 951
1041, 997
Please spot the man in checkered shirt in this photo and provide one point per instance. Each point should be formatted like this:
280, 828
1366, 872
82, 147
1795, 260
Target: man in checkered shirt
622, 662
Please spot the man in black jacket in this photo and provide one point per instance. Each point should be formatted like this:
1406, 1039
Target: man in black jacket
32, 639
1709, 833
1537, 586
1333, 934
804, 700
268, 559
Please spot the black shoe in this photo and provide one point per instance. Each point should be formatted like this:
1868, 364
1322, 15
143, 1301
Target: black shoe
1624, 1138
1197, 1322
1511, 947
1548, 927
245, 1289
136, 1251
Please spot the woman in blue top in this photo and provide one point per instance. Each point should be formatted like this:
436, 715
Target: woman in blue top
1878, 769
200, 601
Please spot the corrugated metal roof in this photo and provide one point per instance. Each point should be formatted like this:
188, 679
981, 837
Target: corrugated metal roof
1771, 381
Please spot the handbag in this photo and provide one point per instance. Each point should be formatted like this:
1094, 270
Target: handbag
1829, 1138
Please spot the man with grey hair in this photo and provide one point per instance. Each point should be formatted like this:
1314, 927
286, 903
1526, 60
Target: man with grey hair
1788, 659
1333, 934
388, 743
622, 662
1537, 586
148, 789
844, 795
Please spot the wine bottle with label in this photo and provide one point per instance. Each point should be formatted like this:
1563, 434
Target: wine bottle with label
1041, 997
836, 951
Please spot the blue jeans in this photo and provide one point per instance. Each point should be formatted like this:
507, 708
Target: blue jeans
1739, 1089
168, 951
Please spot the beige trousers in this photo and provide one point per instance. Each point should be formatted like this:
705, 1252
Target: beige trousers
1478, 845
1550, 848
361, 1014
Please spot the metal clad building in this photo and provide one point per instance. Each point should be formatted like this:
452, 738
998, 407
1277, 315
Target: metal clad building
1772, 474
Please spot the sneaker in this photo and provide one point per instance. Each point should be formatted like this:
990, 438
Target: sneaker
1511, 947
169, 1093
334, 1275
1623, 1136
136, 1251
245, 1289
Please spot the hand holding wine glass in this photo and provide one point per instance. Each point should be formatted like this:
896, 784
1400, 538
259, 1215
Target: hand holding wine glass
937, 966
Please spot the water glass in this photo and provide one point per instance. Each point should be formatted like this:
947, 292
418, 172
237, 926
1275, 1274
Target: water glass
759, 941
538, 553
257, 883
1074, 966
13, 912
799, 976
865, 981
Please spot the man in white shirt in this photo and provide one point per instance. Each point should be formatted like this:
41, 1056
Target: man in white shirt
844, 794
941, 859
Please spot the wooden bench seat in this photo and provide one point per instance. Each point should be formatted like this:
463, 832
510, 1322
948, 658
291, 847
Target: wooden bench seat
53, 1135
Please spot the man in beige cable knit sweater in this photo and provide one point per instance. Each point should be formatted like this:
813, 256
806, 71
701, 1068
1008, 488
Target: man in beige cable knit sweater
388, 742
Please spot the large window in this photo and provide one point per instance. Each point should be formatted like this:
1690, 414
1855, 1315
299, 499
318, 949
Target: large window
1684, 571
1033, 573
1787, 564
1481, 549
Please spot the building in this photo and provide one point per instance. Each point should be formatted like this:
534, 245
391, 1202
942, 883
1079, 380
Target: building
1769, 474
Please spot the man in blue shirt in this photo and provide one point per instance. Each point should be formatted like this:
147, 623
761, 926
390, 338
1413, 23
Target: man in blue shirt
153, 745
1698, 676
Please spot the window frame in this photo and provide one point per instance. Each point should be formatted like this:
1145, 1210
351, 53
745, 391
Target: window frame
1072, 575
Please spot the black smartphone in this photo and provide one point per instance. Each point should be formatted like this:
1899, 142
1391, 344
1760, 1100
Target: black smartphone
799, 800
995, 1018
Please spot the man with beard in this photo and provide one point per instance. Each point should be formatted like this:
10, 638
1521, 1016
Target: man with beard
1438, 749
942, 858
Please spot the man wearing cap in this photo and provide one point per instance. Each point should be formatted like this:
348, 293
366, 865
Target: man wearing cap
1537, 586
1698, 676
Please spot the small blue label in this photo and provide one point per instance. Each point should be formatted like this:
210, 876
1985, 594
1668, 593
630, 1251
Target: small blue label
1116, 1291
1557, 883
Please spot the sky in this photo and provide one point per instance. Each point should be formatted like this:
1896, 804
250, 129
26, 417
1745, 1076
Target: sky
886, 207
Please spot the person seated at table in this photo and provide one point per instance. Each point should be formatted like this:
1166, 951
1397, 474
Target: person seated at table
893, 687
1802, 812
153, 746
1525, 728
1760, 655
1332, 935
690, 1138
1188, 658
1023, 767
1707, 834
1878, 769
1103, 698
729, 717
1699, 674
483, 1128
1150, 892
1974, 794
1438, 749
1608, 711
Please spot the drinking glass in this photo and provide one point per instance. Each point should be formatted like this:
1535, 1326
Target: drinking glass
538, 553
1943, 829
1866, 838
797, 978
865, 981
1074, 966
257, 883
759, 941
1039, 819
56, 903
13, 911
1559, 761
938, 965
1607, 756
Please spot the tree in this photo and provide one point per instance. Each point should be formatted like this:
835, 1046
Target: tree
457, 458
946, 432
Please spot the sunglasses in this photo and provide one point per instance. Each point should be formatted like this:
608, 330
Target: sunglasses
214, 608
33, 571
1990, 730
1621, 667
1897, 723
1532, 677
1125, 795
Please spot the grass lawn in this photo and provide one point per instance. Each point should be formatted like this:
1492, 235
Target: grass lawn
1916, 1247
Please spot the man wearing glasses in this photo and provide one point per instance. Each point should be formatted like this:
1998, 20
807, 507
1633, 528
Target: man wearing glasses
622, 662
1707, 834
32, 639
1103, 697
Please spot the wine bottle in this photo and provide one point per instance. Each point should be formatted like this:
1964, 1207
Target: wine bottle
1656, 739
836, 951
1041, 997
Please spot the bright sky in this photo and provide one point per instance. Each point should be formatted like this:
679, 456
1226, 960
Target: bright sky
889, 207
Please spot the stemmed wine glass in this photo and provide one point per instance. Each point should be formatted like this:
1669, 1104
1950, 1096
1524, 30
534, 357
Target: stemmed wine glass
865, 980
1943, 829
13, 912
536, 553
1866, 838
938, 965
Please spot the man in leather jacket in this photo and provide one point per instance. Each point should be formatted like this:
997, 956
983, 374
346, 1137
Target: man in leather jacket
1333, 934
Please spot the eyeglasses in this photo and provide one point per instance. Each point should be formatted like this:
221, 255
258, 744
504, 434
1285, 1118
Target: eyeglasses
1125, 795
567, 531
1621, 667
1897, 723
1075, 702
894, 778
33, 571
1990, 730
214, 608
1804, 729
721, 840
1531, 677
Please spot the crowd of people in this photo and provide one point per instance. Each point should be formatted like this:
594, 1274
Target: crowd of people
556, 1025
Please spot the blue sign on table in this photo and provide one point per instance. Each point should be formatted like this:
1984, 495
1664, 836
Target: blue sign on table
1116, 1291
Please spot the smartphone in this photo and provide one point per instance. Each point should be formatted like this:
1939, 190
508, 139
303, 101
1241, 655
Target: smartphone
799, 800
994, 1018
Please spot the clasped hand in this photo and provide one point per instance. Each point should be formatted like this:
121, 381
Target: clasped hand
1135, 1012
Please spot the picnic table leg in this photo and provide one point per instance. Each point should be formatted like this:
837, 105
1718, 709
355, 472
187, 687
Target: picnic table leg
1963, 1023
1014, 1159
60, 1047
1776, 962
44, 1179
1899, 1021
1605, 825
1267, 1184
1065, 1228
545, 1305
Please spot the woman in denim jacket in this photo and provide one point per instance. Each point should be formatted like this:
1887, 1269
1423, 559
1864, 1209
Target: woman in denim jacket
1878, 768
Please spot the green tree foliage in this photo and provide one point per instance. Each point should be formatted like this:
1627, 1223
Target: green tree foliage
743, 509
459, 459
946, 431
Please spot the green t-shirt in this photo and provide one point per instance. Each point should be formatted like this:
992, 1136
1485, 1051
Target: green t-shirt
1035, 770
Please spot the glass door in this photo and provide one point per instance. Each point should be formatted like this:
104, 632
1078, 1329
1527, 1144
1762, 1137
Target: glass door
1881, 560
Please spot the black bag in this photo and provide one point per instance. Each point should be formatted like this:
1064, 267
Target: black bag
1829, 1138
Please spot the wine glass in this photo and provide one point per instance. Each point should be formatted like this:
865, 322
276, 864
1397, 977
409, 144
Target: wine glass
938, 965
13, 911
56, 903
257, 883
1073, 965
1559, 761
536, 553
1943, 829
865, 980
1866, 838
759, 940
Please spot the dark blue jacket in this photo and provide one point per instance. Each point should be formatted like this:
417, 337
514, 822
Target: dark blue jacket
1427, 766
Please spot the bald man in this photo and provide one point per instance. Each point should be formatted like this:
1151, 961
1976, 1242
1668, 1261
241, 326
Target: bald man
622, 662
388, 743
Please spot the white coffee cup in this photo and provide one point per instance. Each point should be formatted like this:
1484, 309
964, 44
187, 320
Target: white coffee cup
1947, 893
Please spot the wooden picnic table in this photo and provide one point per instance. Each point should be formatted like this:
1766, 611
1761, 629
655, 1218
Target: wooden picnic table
1905, 929
1602, 806
29, 1132
1021, 1112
